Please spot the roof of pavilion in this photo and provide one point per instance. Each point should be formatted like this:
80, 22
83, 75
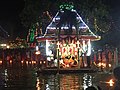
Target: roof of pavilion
69, 22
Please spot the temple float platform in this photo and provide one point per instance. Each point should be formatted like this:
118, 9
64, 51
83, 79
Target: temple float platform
66, 71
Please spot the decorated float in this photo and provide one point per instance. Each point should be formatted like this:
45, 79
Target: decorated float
66, 42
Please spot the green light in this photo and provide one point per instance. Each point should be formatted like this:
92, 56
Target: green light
66, 6
32, 35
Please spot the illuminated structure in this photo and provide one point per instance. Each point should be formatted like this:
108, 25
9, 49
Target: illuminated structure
67, 39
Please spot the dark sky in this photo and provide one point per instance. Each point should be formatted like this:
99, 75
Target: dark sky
9, 17
10, 10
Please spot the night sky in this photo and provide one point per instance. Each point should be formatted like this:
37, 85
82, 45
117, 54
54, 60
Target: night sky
10, 10
9, 17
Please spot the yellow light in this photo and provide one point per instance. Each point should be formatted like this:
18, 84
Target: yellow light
78, 42
40, 62
0, 62
22, 62
37, 52
3, 45
27, 62
34, 62
30, 62
38, 84
99, 64
111, 82
102, 64
10, 61
110, 65
44, 62
8, 47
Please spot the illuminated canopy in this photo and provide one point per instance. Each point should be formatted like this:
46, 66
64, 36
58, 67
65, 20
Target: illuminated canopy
69, 22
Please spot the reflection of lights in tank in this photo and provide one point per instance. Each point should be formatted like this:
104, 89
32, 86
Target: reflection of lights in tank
38, 84
47, 87
87, 81
6, 79
52, 83
111, 82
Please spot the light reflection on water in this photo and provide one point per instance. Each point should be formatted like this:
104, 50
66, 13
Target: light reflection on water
24, 77
75, 81
87, 81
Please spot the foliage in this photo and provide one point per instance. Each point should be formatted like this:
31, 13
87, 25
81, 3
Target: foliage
96, 15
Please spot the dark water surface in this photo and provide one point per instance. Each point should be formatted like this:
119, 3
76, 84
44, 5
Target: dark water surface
24, 77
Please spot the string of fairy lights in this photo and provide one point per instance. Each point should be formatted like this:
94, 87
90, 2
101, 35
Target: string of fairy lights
97, 28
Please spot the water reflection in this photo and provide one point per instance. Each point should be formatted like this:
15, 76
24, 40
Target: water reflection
5, 77
76, 81
111, 82
38, 84
17, 77
70, 82
22, 76
87, 81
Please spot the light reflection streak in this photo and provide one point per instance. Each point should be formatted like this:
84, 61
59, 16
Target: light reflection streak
66, 82
0, 62
38, 84
6, 75
111, 82
87, 81
69, 82
47, 87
